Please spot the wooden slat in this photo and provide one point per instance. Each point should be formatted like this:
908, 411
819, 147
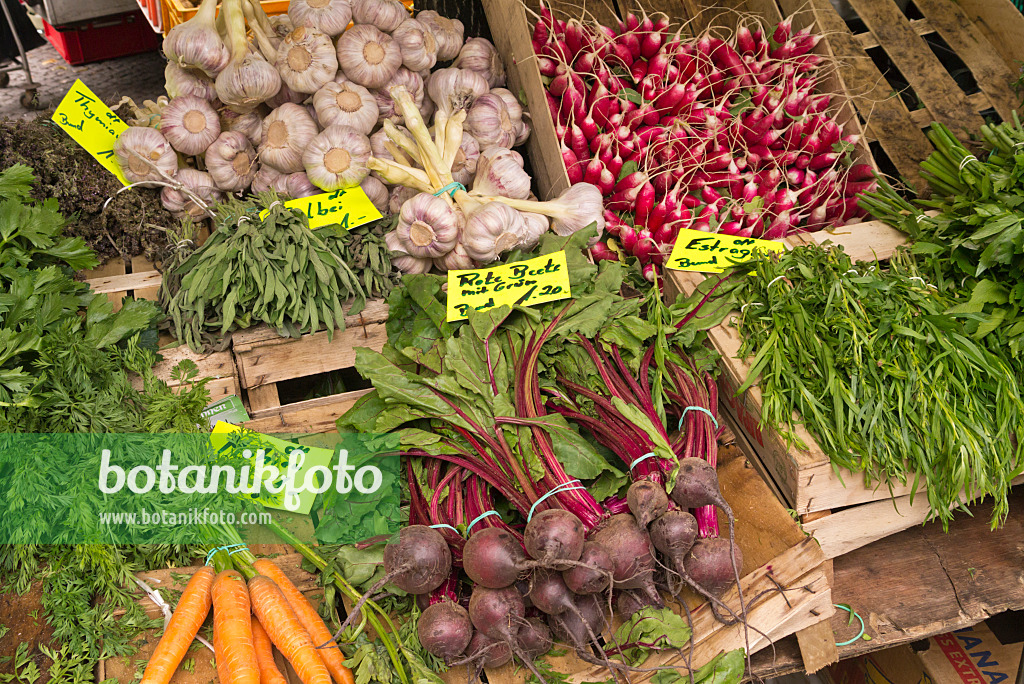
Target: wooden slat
263, 397
817, 646
930, 81
921, 27
121, 283
312, 416
992, 74
142, 265
375, 311
1002, 24
979, 102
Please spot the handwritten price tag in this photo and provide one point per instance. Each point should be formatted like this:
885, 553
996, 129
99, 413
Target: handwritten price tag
348, 208
91, 124
703, 252
544, 279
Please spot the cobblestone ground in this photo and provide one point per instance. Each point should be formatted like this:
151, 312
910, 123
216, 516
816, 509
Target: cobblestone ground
140, 77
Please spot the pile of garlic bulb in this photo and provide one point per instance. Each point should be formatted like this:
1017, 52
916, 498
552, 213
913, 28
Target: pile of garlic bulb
305, 103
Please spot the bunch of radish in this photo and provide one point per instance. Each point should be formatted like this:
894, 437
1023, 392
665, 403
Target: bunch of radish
715, 135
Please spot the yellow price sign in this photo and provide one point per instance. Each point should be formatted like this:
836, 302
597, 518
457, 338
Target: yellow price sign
703, 252
348, 208
540, 280
91, 124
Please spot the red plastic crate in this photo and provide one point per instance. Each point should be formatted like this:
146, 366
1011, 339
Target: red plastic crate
104, 38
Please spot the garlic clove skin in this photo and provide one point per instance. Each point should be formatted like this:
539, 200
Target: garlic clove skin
428, 227
386, 15
480, 55
449, 33
231, 162
534, 227
418, 45
269, 178
336, 158
491, 122
346, 104
286, 133
178, 82
145, 155
401, 259
200, 184
307, 60
490, 230
298, 185
516, 113
453, 89
250, 123
367, 56
524, 133
455, 260
377, 192
386, 109
245, 85
196, 44
327, 16
190, 124
466, 158
498, 172
399, 196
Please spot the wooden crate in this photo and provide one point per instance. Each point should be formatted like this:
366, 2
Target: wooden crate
834, 505
120, 278
264, 358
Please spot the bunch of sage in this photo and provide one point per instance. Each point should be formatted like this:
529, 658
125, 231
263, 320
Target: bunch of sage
370, 258
262, 264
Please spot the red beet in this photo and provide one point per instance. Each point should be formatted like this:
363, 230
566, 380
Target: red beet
493, 558
594, 572
445, 629
554, 535
646, 500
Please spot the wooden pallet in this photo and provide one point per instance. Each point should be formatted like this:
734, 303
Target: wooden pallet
264, 358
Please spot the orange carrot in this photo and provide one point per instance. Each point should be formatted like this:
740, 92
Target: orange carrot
191, 611
232, 630
285, 630
310, 619
269, 674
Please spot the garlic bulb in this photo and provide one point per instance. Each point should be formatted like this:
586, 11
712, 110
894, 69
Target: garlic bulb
231, 162
386, 109
298, 185
479, 55
286, 94
515, 112
491, 122
417, 43
346, 104
455, 89
573, 210
178, 82
455, 260
243, 85
367, 56
399, 196
337, 158
283, 25
447, 32
377, 192
490, 230
524, 133
428, 107
428, 227
534, 227
196, 44
189, 124
401, 259
307, 60
250, 124
198, 183
269, 178
145, 155
465, 164
286, 132
386, 15
328, 16
499, 173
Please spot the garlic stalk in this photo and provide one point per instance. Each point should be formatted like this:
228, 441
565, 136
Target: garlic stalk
367, 56
393, 173
145, 155
386, 15
248, 79
490, 230
178, 82
498, 173
447, 32
573, 210
189, 124
337, 158
438, 174
428, 227
377, 192
231, 162
454, 89
196, 44
491, 122
329, 16
193, 184
417, 44
307, 60
479, 55
346, 104
386, 106
401, 259
266, 43
400, 144
287, 131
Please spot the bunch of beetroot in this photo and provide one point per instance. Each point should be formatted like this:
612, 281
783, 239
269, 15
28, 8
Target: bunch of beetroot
714, 135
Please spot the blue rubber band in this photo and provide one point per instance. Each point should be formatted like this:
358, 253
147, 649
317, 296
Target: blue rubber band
479, 518
448, 526
859, 618
564, 487
244, 548
697, 408
451, 189
642, 458
214, 552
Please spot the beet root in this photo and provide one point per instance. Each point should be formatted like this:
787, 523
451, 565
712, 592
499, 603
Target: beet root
498, 613
488, 652
576, 626
631, 552
445, 630
594, 572
554, 535
534, 638
697, 485
493, 558
419, 562
646, 500
709, 564
673, 533
549, 593
629, 602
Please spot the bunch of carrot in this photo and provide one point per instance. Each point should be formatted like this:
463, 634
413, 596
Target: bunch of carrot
255, 607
